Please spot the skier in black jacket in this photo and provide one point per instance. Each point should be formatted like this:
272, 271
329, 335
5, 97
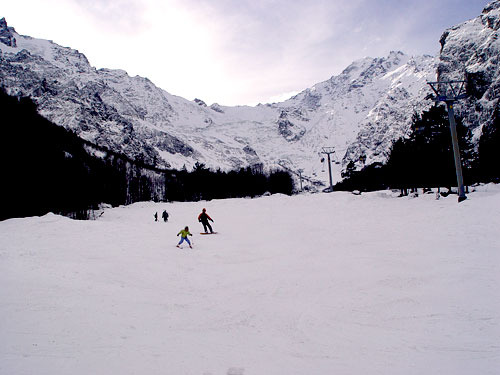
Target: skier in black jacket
164, 215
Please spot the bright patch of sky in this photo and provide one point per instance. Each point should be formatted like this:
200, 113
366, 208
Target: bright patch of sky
238, 51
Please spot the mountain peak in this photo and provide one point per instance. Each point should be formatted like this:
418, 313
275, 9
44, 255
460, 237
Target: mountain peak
491, 6
396, 53
7, 34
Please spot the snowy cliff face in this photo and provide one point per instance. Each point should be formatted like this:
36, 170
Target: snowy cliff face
471, 52
7, 34
360, 111
103, 106
369, 105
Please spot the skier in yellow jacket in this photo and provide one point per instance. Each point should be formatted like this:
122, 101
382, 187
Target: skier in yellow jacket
184, 236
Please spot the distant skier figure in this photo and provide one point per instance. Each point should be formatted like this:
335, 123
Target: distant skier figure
184, 237
164, 215
204, 218
156, 216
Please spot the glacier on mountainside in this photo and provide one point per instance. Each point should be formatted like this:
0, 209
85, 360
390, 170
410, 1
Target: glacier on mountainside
361, 111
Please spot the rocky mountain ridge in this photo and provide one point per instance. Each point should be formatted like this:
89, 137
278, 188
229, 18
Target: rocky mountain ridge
358, 112
471, 52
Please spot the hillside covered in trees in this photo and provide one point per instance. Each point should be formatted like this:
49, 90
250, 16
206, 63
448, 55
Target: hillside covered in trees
46, 168
425, 158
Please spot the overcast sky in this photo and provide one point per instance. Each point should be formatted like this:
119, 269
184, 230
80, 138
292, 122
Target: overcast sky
238, 51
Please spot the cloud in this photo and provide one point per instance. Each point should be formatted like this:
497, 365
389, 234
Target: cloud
281, 97
260, 45
115, 16
262, 48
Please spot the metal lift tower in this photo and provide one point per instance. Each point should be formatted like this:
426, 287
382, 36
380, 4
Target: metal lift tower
449, 92
328, 151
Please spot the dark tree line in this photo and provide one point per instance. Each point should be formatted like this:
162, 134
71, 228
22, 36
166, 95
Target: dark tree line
425, 159
489, 151
46, 168
204, 184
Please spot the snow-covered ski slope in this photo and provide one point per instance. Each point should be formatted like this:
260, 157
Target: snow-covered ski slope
311, 284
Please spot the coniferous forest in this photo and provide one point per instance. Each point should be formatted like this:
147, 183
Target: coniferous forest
425, 158
46, 168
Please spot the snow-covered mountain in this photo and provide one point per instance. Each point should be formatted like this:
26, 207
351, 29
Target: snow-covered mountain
471, 52
360, 111
357, 109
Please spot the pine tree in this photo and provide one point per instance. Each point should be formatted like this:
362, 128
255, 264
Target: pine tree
489, 151
425, 159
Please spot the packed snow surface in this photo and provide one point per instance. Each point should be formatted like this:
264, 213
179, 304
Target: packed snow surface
310, 284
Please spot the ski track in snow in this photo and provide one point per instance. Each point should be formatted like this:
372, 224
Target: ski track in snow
310, 284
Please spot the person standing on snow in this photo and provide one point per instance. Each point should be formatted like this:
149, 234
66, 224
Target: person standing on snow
164, 215
204, 218
184, 236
